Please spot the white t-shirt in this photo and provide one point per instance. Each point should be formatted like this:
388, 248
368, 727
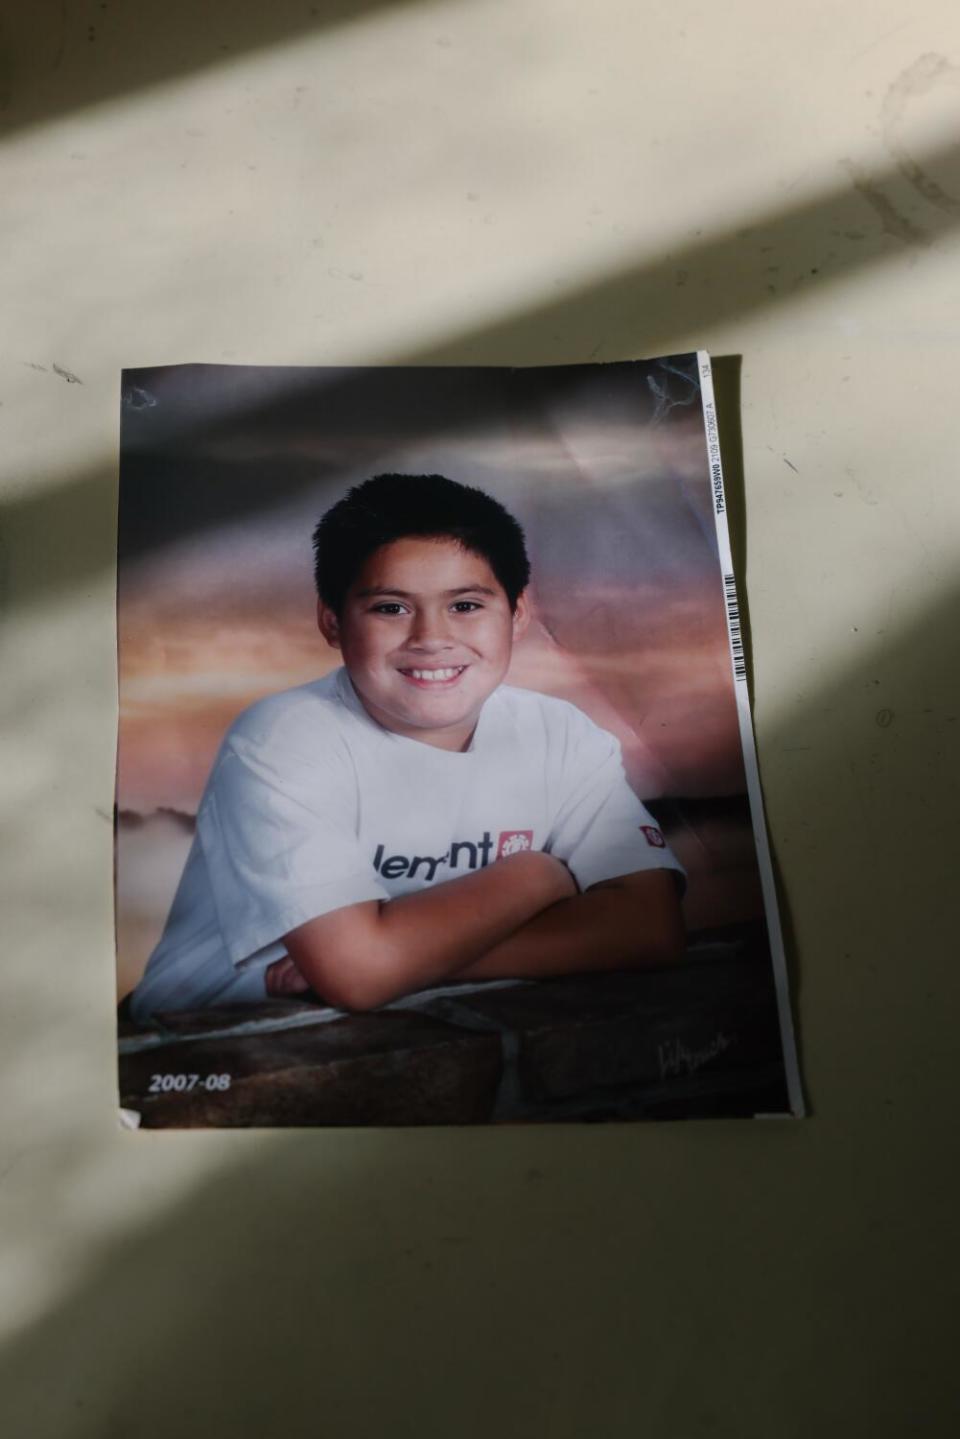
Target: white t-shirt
311, 805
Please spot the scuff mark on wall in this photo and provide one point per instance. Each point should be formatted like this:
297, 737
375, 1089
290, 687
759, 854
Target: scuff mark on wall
892, 221
917, 79
66, 374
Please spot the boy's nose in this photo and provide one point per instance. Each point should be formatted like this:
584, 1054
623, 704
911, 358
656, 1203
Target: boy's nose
430, 632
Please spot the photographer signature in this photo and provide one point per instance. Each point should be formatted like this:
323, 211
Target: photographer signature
675, 1058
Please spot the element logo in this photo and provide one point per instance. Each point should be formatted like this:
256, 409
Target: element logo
654, 836
462, 853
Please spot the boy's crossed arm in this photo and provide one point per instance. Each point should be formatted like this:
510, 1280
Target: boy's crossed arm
616, 924
519, 918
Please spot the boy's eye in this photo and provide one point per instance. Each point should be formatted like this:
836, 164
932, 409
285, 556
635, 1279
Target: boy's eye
464, 607
389, 607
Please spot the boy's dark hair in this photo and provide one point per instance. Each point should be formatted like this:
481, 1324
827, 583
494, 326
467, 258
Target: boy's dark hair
396, 507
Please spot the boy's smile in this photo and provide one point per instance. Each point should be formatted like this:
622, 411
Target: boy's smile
433, 678
426, 634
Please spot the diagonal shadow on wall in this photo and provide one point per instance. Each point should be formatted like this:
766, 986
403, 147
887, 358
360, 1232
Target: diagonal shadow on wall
61, 57
64, 535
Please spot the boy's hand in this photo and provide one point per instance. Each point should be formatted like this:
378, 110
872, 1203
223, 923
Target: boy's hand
284, 978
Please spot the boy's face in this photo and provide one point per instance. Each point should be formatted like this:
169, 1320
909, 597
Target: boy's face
426, 635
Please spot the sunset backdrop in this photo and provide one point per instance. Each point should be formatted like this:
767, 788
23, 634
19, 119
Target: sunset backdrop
226, 470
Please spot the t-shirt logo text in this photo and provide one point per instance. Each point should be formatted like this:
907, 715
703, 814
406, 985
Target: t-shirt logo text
462, 854
654, 836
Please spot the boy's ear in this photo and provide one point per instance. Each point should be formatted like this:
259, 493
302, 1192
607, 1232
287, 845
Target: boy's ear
521, 614
329, 625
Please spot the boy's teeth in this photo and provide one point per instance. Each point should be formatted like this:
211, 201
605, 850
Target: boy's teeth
447, 674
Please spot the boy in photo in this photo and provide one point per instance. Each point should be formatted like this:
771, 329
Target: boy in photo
410, 820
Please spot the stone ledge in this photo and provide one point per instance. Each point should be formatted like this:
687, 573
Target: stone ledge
697, 1039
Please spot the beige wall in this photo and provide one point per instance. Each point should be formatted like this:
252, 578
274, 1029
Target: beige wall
471, 181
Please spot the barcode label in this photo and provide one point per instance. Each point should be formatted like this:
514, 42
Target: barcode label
733, 624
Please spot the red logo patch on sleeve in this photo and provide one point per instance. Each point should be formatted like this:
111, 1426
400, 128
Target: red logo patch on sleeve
654, 836
512, 841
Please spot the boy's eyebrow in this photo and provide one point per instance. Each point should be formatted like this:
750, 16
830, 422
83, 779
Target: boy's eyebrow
410, 595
